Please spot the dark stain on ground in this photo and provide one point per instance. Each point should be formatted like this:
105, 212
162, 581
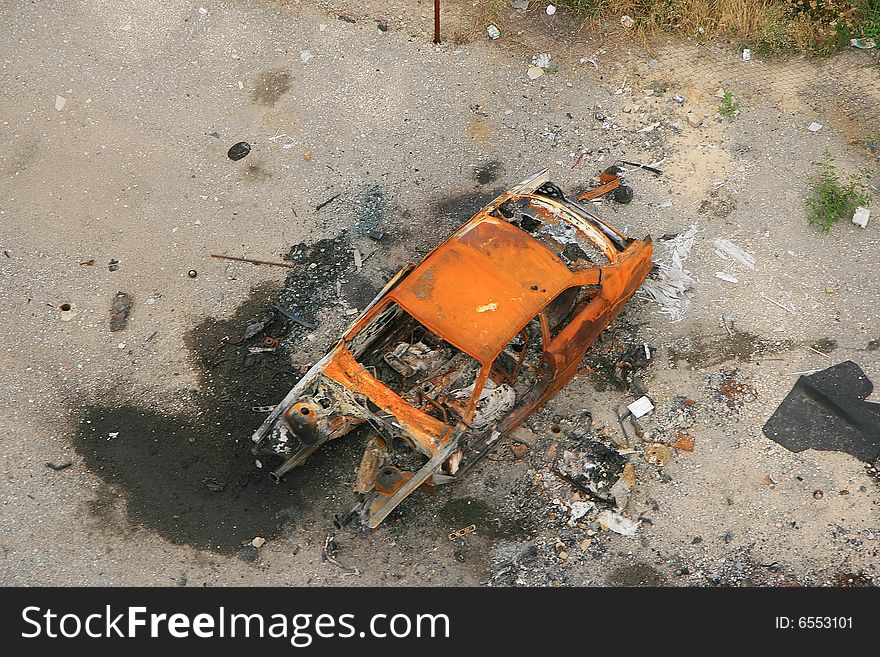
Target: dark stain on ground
488, 172
638, 574
270, 86
255, 172
825, 345
461, 512
873, 345
453, 211
703, 351
190, 476
313, 286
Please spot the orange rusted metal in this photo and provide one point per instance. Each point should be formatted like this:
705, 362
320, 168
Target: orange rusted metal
529, 258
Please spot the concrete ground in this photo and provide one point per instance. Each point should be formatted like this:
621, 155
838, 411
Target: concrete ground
117, 119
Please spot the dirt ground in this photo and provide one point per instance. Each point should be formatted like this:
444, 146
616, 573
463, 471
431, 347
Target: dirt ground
117, 119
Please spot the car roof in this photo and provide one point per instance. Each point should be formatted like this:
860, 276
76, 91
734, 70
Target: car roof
480, 287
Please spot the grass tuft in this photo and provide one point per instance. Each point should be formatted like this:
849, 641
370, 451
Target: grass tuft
817, 27
729, 107
832, 199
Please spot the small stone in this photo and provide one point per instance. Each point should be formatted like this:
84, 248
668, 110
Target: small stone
258, 542
420, 569
695, 121
493, 32
861, 216
519, 450
535, 72
238, 151
60, 102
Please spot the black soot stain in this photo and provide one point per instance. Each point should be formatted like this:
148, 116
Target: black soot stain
190, 475
488, 172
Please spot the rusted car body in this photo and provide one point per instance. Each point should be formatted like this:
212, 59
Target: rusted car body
457, 351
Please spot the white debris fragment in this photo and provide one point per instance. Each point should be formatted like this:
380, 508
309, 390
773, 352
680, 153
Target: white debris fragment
617, 523
627, 21
641, 406
542, 60
861, 216
590, 60
493, 32
724, 276
814, 127
727, 250
305, 56
672, 281
650, 128
578, 511
60, 102
747, 54
203, 11
551, 9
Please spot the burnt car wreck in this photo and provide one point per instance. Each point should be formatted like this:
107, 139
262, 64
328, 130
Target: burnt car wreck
457, 351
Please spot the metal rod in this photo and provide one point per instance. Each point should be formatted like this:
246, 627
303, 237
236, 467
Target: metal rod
254, 262
436, 21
